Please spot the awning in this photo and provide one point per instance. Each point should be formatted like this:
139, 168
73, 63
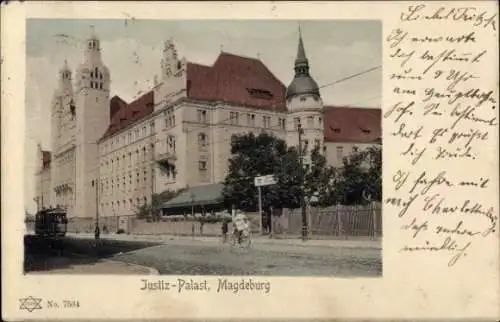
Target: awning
202, 195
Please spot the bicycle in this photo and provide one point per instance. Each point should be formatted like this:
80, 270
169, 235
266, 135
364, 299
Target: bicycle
245, 239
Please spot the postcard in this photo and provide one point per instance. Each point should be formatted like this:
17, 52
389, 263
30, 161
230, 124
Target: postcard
250, 160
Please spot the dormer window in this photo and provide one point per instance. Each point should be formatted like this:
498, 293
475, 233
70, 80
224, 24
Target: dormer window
365, 131
260, 93
335, 129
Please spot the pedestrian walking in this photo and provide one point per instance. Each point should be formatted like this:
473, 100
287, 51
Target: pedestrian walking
97, 232
225, 229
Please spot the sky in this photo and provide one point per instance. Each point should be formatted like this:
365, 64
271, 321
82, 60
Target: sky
131, 49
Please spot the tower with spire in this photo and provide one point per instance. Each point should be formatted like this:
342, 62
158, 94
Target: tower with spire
93, 116
304, 104
63, 130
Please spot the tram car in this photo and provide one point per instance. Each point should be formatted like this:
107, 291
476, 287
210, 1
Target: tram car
51, 223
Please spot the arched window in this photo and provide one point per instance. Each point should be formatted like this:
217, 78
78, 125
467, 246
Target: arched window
96, 72
100, 85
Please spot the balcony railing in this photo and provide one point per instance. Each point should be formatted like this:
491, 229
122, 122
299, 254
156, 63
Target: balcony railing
166, 156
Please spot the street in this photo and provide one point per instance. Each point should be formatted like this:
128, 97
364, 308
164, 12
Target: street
186, 256
77, 255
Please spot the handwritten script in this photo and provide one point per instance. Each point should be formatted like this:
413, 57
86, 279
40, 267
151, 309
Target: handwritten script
443, 115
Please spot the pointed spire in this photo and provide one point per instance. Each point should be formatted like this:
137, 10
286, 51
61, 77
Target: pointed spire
301, 52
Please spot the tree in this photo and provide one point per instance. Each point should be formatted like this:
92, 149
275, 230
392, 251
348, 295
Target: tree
252, 156
361, 172
265, 154
320, 178
152, 210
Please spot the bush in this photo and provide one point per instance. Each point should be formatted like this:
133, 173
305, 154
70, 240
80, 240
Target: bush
120, 231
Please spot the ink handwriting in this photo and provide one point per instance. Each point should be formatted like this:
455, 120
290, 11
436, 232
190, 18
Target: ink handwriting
442, 113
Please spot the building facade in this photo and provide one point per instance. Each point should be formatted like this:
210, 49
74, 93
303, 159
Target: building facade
110, 156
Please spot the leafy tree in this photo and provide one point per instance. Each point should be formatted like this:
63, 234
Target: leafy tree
252, 156
361, 173
152, 210
265, 154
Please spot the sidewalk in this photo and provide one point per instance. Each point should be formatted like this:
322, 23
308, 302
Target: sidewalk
100, 267
256, 239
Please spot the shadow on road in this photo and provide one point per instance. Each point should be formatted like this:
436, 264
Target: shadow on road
42, 254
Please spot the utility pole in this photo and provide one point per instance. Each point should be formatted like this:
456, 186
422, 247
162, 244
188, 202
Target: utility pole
301, 169
97, 201
260, 211
97, 231
152, 177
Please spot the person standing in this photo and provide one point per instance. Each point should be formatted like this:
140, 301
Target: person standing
224, 228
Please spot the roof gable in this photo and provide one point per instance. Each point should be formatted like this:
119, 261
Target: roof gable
236, 79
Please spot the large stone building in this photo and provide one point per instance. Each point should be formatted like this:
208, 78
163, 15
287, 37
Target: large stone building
178, 134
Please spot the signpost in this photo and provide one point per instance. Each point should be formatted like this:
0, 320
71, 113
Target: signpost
259, 183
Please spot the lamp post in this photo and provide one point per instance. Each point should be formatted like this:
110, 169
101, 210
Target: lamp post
301, 169
192, 214
97, 230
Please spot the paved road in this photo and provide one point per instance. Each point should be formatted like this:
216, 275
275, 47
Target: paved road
193, 257
77, 255
187, 256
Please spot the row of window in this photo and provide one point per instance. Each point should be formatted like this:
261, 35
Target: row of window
309, 122
234, 119
132, 136
96, 85
340, 152
129, 204
130, 159
116, 184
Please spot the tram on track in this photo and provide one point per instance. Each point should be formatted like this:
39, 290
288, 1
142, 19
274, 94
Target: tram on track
51, 223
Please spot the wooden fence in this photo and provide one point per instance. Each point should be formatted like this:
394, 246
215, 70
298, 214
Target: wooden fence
340, 221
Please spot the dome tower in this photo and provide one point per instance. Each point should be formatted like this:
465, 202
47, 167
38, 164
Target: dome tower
304, 104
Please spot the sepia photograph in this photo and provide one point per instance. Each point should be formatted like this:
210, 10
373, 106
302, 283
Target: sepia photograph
203, 147
250, 160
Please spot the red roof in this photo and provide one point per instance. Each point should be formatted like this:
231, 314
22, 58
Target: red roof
123, 114
115, 104
231, 79
46, 159
235, 79
352, 124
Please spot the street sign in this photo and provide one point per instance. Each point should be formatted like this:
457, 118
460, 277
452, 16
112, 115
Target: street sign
264, 180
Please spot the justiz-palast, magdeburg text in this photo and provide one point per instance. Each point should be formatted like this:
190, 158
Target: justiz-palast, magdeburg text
191, 285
